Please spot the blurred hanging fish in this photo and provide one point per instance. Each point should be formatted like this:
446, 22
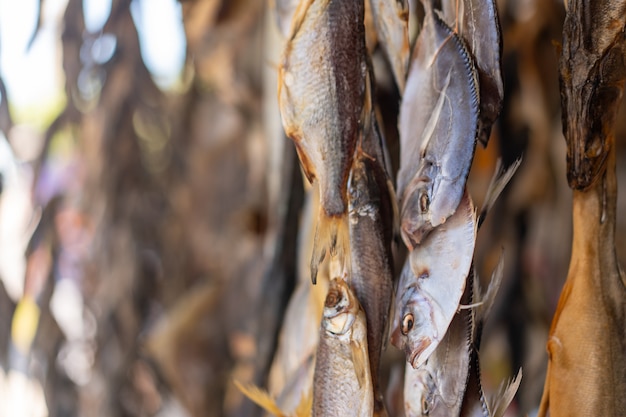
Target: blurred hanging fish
342, 384
437, 387
391, 18
438, 126
477, 22
325, 102
432, 283
371, 218
284, 11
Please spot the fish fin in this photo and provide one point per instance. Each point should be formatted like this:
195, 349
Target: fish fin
499, 180
260, 397
360, 361
501, 401
305, 405
489, 297
298, 17
332, 235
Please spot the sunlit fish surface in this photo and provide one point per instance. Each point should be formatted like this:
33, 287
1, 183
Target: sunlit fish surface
342, 384
391, 18
477, 22
371, 217
324, 101
432, 283
438, 129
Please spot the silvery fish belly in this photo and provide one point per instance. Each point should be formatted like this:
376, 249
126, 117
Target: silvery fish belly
477, 22
324, 102
436, 388
432, 283
342, 384
391, 18
438, 126
371, 216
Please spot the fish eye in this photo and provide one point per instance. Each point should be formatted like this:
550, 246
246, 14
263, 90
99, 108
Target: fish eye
424, 203
425, 406
407, 323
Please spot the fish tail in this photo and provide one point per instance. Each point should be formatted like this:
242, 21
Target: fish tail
333, 236
260, 398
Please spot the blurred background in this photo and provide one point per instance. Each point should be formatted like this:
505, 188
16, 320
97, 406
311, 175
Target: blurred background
152, 211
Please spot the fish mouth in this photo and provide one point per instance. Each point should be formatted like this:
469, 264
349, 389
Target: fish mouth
422, 344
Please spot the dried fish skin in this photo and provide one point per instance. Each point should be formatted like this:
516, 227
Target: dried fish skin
342, 383
391, 18
432, 283
371, 219
324, 101
593, 65
477, 22
438, 126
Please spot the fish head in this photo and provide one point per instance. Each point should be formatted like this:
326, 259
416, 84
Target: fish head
413, 330
340, 308
416, 218
423, 398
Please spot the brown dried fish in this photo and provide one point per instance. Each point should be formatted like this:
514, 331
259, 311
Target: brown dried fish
438, 129
432, 283
325, 102
477, 22
391, 18
342, 385
371, 218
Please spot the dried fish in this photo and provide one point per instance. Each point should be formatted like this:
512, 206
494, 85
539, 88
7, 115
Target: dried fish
284, 11
432, 283
438, 129
325, 102
391, 18
371, 216
477, 22
437, 387
342, 384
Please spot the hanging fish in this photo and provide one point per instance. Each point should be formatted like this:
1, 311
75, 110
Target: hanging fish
391, 18
342, 384
432, 283
325, 102
438, 126
371, 218
437, 387
477, 22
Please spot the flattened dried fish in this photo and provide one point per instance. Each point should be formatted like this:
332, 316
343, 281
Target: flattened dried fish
391, 18
342, 385
432, 283
438, 129
437, 387
324, 101
371, 215
477, 22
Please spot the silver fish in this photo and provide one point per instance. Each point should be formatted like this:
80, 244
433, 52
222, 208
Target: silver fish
432, 283
477, 22
391, 19
437, 387
438, 126
324, 98
371, 219
342, 384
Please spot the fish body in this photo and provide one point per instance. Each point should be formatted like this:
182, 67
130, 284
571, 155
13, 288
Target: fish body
477, 22
371, 217
324, 100
438, 126
342, 383
391, 19
432, 283
437, 387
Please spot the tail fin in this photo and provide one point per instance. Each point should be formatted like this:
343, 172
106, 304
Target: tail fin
332, 235
260, 397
